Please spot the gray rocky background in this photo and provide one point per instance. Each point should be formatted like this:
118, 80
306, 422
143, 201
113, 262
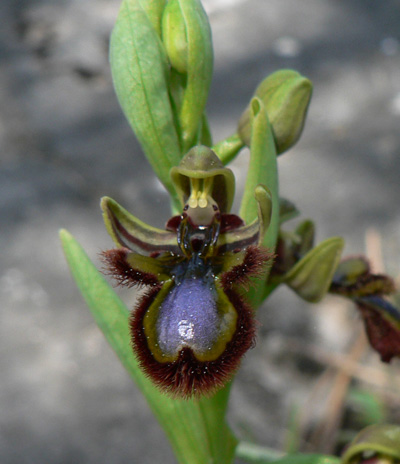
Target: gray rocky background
64, 398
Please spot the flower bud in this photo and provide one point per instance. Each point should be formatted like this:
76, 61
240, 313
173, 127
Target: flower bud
186, 37
154, 10
174, 36
286, 96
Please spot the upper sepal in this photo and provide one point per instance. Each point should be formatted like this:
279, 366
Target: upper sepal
202, 166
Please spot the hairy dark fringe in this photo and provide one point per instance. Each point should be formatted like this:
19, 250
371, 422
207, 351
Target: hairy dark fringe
188, 377
116, 266
254, 264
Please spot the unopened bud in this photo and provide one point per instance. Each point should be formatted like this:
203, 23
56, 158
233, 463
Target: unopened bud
286, 96
174, 36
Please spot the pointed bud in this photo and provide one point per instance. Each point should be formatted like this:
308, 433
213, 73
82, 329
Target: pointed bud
286, 96
186, 36
174, 36
154, 10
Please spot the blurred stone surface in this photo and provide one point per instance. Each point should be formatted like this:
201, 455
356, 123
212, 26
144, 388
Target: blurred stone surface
64, 143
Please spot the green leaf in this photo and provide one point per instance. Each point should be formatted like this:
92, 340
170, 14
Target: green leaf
140, 73
311, 277
196, 429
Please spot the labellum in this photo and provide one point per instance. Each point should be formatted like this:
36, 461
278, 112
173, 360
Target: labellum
192, 325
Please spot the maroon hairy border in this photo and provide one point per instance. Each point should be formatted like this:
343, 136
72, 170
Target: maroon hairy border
383, 337
188, 377
254, 262
116, 265
365, 285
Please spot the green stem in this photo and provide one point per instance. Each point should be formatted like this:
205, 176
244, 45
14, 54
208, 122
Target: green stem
256, 454
228, 148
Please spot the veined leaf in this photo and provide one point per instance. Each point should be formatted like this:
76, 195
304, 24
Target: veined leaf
140, 74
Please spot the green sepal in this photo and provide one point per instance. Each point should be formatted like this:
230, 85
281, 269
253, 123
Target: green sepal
262, 170
129, 232
311, 277
381, 439
286, 96
187, 38
202, 163
140, 72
